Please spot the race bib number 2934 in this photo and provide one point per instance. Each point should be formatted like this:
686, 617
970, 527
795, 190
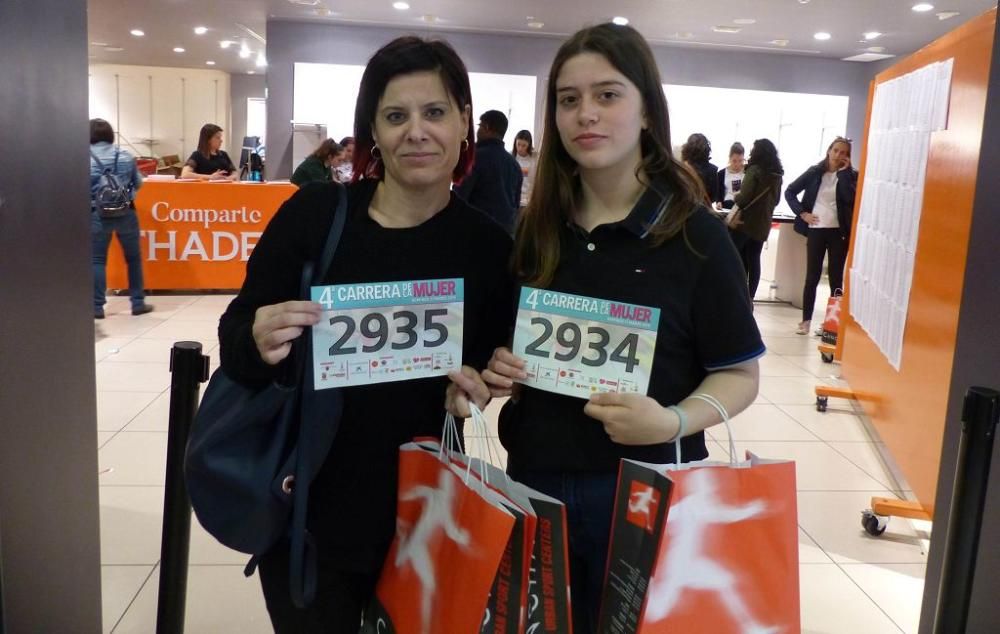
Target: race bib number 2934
379, 332
579, 345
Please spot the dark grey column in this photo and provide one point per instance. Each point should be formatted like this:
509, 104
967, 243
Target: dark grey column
48, 438
977, 362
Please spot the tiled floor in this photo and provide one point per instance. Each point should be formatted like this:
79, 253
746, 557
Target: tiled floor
849, 581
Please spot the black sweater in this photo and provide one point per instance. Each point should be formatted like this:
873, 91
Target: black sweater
353, 500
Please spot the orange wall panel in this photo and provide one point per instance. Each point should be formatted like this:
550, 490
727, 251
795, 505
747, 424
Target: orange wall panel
909, 406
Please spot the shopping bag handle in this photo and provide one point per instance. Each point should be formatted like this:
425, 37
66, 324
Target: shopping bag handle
724, 413
451, 445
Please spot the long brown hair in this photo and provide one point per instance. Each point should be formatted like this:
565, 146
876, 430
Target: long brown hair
557, 192
208, 131
825, 163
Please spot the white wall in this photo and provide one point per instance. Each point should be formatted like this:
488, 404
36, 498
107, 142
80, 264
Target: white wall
327, 93
158, 111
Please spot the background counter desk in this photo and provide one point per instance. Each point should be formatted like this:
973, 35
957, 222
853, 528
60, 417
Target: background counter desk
198, 236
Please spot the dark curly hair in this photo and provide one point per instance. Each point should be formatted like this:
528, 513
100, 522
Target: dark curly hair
697, 149
764, 154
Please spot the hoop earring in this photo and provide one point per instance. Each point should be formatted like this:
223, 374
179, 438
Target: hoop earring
376, 153
465, 145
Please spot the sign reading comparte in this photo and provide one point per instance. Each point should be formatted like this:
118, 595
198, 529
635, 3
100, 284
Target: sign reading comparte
579, 345
379, 332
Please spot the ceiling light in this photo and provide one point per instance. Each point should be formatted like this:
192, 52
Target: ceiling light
684, 35
744, 21
114, 49
261, 60
726, 29
245, 52
137, 32
400, 6
871, 35
307, 3
619, 20
876, 49
226, 43
429, 19
947, 15
178, 49
822, 36
200, 30
535, 25
251, 72
210, 63
779, 42
98, 43
923, 7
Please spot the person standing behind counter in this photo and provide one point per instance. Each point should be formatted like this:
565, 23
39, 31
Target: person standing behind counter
209, 162
318, 167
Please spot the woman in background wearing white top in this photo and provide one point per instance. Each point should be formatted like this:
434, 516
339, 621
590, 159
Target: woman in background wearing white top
827, 206
524, 154
731, 177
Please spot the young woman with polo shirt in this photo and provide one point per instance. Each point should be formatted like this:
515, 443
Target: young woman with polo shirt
613, 216
413, 140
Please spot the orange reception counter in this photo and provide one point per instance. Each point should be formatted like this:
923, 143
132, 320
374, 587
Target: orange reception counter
198, 235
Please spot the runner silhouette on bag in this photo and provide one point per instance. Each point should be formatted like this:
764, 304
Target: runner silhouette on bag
415, 546
688, 566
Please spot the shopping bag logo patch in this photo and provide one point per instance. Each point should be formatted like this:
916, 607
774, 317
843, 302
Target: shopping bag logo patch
415, 544
643, 504
695, 562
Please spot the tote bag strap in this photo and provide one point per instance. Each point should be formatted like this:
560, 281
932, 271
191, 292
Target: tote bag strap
303, 571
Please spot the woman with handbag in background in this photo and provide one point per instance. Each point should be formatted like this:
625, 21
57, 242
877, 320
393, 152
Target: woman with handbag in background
413, 139
614, 217
827, 207
750, 220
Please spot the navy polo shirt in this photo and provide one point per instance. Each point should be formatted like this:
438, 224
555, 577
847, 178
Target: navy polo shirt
697, 281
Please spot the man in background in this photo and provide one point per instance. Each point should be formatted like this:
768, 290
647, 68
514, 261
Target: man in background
494, 185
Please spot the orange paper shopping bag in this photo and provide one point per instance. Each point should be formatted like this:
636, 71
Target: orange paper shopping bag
450, 537
706, 548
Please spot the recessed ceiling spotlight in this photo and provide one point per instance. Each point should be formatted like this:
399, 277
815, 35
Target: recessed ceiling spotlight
137, 32
429, 19
209, 62
535, 25
98, 43
871, 35
245, 52
947, 15
226, 43
779, 42
803, 1
114, 49
400, 6
251, 72
822, 36
261, 60
876, 49
178, 49
684, 35
200, 30
923, 7
744, 21
620, 20
726, 29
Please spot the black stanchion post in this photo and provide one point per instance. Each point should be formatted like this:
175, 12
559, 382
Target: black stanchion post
188, 370
980, 415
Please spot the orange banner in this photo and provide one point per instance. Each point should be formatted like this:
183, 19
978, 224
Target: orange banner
198, 235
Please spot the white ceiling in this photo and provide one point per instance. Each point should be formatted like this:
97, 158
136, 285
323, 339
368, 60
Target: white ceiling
170, 23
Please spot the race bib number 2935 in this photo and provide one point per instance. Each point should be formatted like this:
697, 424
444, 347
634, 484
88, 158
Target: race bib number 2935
579, 345
378, 332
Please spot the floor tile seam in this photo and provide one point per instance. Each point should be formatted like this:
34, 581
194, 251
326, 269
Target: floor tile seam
870, 598
890, 485
135, 596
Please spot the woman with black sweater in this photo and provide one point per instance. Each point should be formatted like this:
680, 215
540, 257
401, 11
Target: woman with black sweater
414, 138
827, 207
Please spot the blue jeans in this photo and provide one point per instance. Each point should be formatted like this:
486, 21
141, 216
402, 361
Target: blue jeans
590, 502
127, 228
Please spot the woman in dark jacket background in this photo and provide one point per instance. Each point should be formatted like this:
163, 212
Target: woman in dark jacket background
696, 153
827, 207
758, 196
319, 166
